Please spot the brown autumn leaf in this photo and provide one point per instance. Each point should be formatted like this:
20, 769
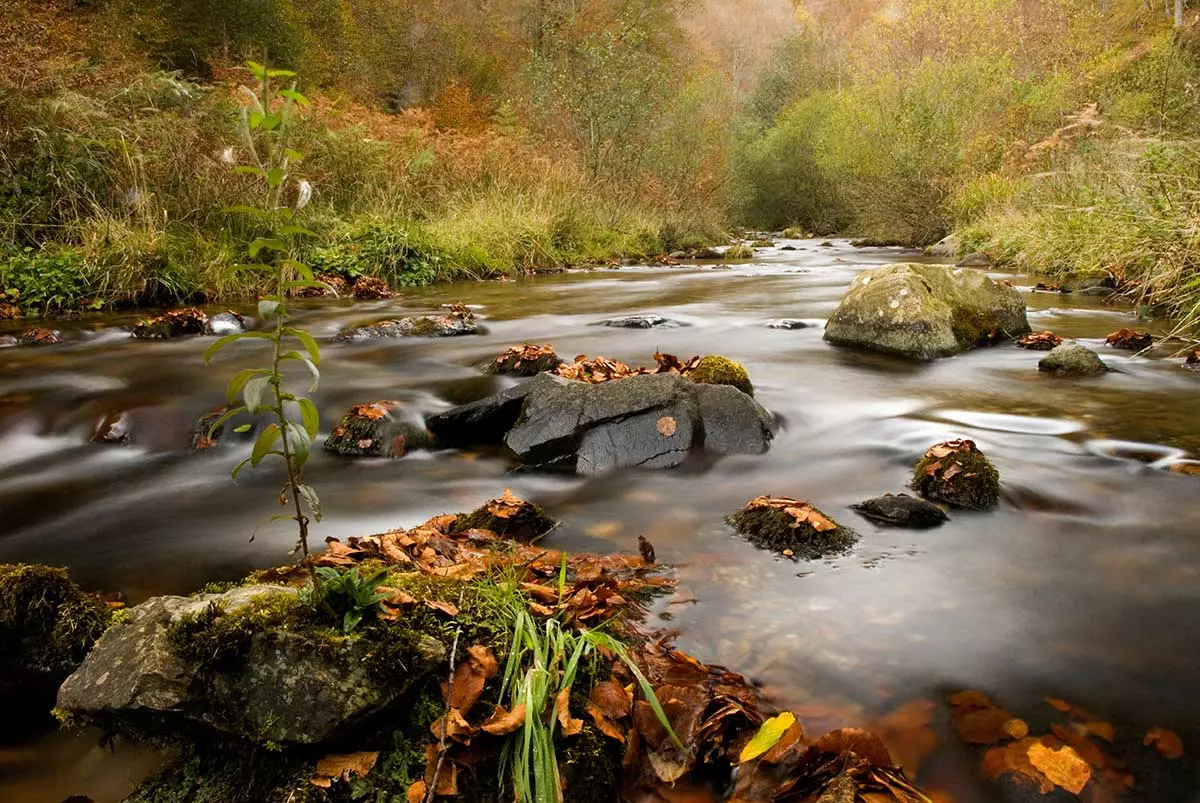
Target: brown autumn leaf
1165, 741
457, 727
1130, 339
611, 699
340, 766
447, 779
1063, 767
470, 676
1076, 738
801, 512
863, 744
562, 707
1012, 760
503, 722
448, 608
604, 724
416, 792
507, 506
1039, 341
1016, 729
666, 426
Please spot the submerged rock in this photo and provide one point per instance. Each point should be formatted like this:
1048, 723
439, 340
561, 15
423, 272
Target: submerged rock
176, 323
249, 662
526, 360
40, 337
378, 429
641, 322
225, 323
1072, 359
901, 510
976, 259
789, 324
458, 320
925, 311
204, 436
647, 421
717, 370
957, 473
47, 626
8, 340
792, 527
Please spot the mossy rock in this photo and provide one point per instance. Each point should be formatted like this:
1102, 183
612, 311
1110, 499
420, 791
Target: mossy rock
958, 474
176, 323
1072, 359
508, 517
717, 370
526, 360
378, 429
792, 528
793, 233
47, 626
763, 244
739, 251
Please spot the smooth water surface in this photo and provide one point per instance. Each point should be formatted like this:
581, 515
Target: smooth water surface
1085, 584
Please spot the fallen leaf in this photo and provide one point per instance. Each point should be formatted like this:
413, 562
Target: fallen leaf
768, 735
1016, 729
866, 746
1013, 760
562, 707
503, 722
416, 792
1063, 767
340, 766
666, 426
1165, 741
448, 608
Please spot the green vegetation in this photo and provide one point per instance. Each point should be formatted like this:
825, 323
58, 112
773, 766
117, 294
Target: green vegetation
492, 144
1058, 136
350, 596
717, 370
47, 624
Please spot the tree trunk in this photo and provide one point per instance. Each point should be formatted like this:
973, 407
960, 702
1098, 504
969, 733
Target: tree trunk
1178, 13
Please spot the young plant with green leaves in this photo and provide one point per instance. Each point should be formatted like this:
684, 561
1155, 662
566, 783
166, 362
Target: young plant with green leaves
350, 595
543, 663
267, 127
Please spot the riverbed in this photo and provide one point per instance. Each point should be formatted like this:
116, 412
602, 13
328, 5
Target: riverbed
1084, 584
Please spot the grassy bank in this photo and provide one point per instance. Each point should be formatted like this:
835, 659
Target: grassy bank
116, 168
1060, 137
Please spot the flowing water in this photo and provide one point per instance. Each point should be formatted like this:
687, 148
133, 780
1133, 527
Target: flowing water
1085, 584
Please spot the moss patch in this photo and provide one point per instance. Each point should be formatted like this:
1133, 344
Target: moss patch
507, 517
717, 370
957, 473
792, 528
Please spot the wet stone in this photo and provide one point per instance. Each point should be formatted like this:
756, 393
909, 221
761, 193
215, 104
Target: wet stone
642, 322
225, 323
7, 340
456, 321
40, 337
793, 528
789, 324
378, 429
1072, 359
176, 323
958, 474
901, 510
114, 428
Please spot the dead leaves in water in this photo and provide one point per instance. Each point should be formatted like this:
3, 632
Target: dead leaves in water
1164, 741
1039, 341
1130, 339
800, 512
516, 356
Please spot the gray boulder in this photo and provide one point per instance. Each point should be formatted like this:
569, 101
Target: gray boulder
1072, 359
947, 247
650, 421
925, 311
225, 323
284, 686
976, 259
480, 423
457, 320
641, 322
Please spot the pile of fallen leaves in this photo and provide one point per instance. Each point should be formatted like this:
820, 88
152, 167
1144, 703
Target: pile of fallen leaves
1076, 756
602, 369
1039, 341
371, 288
801, 513
1130, 339
177, 322
40, 337
525, 353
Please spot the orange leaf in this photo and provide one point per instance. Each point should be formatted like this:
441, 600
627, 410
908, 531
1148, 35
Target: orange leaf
503, 722
1064, 767
1165, 741
562, 706
340, 766
666, 426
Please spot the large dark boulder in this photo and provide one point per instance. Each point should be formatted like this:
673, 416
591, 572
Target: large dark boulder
235, 662
649, 421
480, 423
925, 311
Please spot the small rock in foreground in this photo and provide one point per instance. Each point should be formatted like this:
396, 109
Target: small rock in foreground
792, 528
957, 473
901, 510
1072, 359
115, 428
508, 517
790, 324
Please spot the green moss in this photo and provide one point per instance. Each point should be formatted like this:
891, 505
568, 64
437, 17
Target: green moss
964, 478
775, 529
47, 625
739, 251
717, 370
527, 524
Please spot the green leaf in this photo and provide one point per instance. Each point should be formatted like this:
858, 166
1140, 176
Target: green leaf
269, 123
275, 177
257, 70
225, 341
294, 96
304, 270
267, 308
262, 446
265, 243
225, 416
281, 74
250, 170
769, 734
313, 371
238, 469
293, 154
240, 379
255, 391
310, 417
299, 442
298, 231
242, 428
310, 345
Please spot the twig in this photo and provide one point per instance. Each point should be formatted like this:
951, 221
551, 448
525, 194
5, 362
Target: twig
437, 768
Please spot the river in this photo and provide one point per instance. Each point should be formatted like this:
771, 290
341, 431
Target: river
1084, 584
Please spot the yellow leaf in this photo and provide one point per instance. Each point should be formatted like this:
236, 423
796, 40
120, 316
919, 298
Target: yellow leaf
1063, 766
767, 737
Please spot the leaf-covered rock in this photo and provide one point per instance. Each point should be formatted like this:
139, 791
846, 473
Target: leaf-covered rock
925, 311
370, 288
1039, 341
958, 474
524, 360
378, 429
1072, 359
1129, 339
508, 517
792, 528
176, 323
40, 337
457, 320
